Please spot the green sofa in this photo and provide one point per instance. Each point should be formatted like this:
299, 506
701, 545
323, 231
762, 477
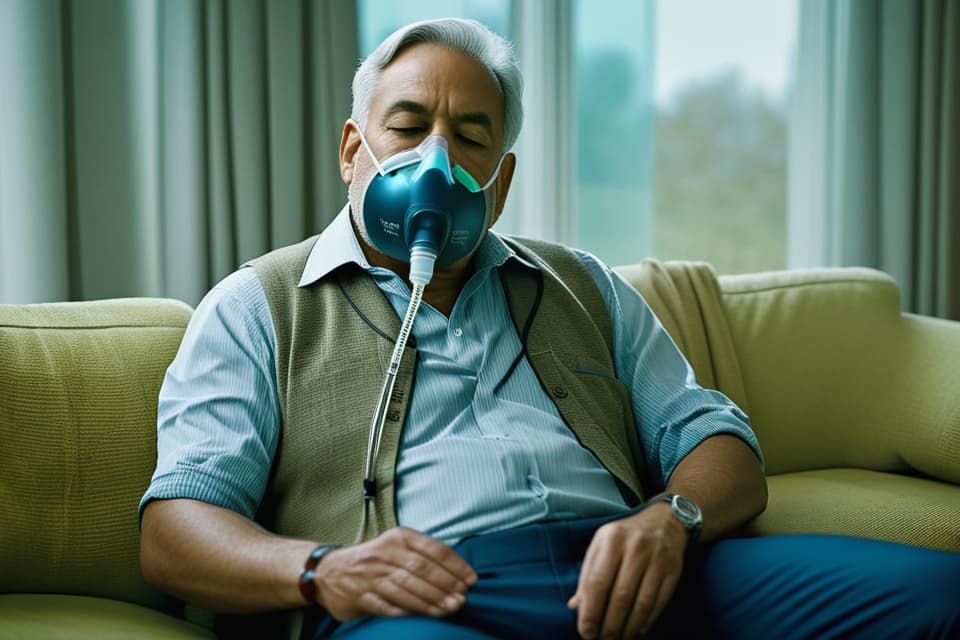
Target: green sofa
856, 405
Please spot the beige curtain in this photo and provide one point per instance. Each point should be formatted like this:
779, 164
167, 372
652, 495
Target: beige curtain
875, 144
150, 147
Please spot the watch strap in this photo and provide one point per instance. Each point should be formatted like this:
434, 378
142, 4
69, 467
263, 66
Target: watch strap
307, 582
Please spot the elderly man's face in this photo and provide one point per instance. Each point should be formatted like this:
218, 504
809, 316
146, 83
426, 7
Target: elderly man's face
432, 90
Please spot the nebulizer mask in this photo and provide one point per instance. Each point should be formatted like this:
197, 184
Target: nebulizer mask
417, 208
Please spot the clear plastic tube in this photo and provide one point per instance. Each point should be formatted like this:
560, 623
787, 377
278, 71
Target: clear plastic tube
380, 415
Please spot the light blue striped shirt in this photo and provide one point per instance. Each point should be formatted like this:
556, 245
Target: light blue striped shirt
471, 460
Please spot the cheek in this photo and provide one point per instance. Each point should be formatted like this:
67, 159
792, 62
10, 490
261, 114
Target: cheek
356, 166
362, 170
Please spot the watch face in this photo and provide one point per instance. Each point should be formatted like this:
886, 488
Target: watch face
688, 508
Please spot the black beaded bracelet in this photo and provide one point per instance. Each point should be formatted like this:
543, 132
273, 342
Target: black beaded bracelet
307, 584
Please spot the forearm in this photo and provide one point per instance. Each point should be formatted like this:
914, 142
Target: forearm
219, 559
723, 476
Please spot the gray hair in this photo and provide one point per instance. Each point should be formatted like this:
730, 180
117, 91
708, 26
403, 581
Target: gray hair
469, 37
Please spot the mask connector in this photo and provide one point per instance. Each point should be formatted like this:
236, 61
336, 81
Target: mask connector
427, 231
421, 265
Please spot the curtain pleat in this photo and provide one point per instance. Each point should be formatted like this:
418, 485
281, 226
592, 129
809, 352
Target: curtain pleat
938, 254
34, 242
183, 180
287, 117
109, 235
333, 59
222, 256
156, 146
875, 142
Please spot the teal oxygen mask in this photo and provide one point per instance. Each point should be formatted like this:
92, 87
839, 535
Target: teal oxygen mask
419, 208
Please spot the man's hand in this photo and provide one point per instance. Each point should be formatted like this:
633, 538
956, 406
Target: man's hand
629, 573
400, 572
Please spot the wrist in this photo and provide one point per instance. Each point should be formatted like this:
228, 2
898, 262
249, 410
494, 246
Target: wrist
307, 582
685, 512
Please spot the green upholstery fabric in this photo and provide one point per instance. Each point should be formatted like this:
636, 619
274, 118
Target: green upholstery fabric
50, 617
869, 504
78, 402
836, 376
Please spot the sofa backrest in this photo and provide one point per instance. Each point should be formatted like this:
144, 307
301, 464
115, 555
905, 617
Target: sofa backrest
837, 376
830, 371
78, 405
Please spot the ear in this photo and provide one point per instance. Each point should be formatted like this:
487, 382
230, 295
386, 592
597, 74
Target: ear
504, 179
349, 145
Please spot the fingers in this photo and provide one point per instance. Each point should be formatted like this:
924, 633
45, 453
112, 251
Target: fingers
629, 574
597, 576
425, 577
416, 596
400, 572
373, 604
444, 556
652, 598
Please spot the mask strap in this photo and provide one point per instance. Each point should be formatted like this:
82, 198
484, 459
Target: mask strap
496, 172
366, 146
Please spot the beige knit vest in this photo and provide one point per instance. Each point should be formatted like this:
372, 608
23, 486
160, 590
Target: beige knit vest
331, 363
330, 367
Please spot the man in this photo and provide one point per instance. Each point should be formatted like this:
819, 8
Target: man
511, 501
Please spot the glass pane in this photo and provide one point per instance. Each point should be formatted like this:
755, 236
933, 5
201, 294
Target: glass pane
614, 49
380, 18
682, 108
720, 152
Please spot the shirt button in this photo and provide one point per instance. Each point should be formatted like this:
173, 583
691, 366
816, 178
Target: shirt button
458, 332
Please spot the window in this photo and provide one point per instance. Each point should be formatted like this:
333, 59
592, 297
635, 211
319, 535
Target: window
614, 48
679, 127
379, 18
720, 152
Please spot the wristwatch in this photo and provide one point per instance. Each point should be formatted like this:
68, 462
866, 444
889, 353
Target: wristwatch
686, 511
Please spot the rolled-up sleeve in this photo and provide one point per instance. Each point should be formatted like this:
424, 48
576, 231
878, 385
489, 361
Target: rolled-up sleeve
673, 413
218, 414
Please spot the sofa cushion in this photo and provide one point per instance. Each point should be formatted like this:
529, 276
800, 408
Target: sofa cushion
78, 402
837, 376
870, 504
51, 617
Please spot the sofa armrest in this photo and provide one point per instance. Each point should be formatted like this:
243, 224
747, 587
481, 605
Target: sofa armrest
78, 405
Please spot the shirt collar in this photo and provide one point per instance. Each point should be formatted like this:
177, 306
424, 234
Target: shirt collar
337, 245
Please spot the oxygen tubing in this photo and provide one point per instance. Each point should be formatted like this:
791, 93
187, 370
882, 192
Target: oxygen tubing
380, 415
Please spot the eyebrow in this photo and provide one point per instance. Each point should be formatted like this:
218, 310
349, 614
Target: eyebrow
411, 106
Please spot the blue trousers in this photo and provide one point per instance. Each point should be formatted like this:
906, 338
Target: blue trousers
783, 587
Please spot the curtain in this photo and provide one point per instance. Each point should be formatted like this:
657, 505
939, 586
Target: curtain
150, 147
875, 145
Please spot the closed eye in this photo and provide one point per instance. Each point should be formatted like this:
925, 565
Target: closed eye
407, 131
470, 141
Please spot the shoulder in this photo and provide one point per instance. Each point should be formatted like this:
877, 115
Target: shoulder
290, 258
234, 310
240, 291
